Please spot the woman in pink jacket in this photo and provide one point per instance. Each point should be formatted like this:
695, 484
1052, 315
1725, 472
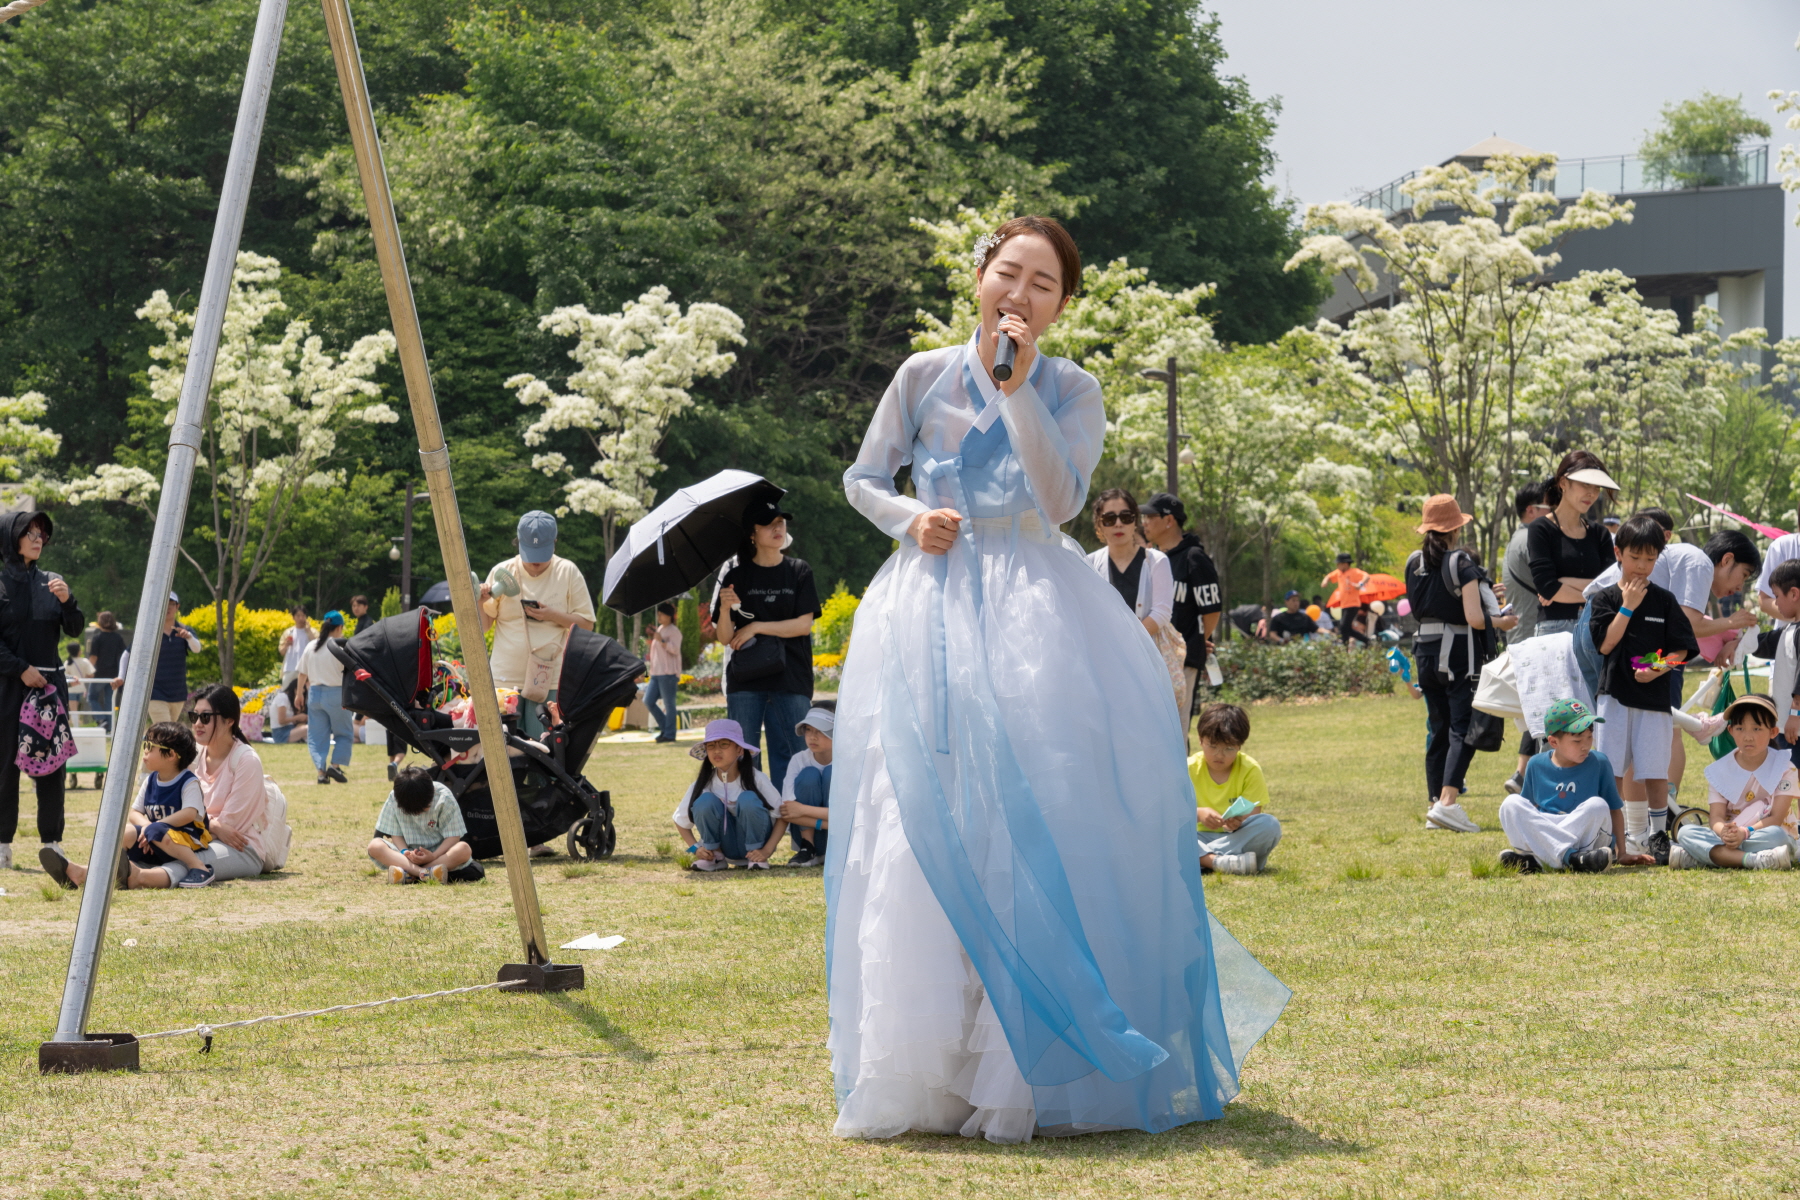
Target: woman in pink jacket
231, 779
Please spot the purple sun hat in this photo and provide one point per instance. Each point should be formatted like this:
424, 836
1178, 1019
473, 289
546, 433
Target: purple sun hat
724, 730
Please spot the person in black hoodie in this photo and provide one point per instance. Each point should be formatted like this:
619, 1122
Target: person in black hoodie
1197, 603
37, 611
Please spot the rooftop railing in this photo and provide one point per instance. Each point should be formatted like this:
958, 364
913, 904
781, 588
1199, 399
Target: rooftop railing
1616, 174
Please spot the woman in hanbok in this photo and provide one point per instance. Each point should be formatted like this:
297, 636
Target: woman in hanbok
1016, 938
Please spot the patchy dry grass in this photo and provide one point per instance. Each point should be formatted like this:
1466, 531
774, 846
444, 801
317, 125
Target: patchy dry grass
1631, 1034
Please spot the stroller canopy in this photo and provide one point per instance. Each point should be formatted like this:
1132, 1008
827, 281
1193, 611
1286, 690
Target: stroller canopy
598, 675
396, 651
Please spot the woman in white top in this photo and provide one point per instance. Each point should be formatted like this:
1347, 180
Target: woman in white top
1141, 575
728, 815
321, 681
286, 721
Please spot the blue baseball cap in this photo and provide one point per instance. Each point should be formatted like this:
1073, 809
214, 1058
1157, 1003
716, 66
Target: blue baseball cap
537, 536
1289, 596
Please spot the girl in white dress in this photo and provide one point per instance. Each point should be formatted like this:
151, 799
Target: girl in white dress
1016, 936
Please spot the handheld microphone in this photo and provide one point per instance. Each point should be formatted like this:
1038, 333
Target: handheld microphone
1003, 358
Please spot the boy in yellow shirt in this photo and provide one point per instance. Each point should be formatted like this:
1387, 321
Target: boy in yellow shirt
1238, 844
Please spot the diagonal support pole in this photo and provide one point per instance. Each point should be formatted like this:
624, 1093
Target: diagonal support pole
436, 459
171, 520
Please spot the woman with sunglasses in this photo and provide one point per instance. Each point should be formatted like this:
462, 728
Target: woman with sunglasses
38, 611
1140, 574
231, 780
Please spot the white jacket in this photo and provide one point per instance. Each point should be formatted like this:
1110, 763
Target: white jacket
1156, 583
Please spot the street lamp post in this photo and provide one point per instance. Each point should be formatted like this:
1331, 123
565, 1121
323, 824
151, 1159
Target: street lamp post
1170, 377
406, 549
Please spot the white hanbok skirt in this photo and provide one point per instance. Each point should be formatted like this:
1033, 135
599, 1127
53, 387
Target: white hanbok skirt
1076, 892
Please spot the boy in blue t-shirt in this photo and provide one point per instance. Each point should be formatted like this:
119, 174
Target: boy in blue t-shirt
1568, 812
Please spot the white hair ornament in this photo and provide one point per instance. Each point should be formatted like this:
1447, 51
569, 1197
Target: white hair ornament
984, 245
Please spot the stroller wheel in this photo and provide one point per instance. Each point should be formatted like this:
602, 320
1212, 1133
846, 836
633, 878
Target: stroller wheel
590, 840
1690, 816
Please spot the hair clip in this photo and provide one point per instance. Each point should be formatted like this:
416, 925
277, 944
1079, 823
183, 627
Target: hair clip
984, 245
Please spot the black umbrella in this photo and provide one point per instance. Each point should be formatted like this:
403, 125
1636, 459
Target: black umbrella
684, 539
437, 593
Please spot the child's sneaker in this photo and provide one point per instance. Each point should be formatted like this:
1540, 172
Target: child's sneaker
1777, 859
399, 875
1590, 862
1515, 784
1680, 859
56, 865
1452, 817
1235, 864
440, 873
757, 866
197, 877
1524, 864
806, 858
710, 864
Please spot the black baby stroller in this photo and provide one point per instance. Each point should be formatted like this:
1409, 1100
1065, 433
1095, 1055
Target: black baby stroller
388, 672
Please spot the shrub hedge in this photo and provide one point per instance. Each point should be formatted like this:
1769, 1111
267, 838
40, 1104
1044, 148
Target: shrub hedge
1258, 671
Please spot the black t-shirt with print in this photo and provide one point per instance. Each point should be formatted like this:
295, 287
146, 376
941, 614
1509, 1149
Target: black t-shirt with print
778, 593
1657, 624
1126, 582
1555, 556
1294, 624
1196, 594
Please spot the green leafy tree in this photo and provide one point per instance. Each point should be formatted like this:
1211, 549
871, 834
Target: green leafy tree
1697, 143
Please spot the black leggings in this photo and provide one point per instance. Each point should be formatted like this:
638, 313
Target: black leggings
49, 800
1449, 703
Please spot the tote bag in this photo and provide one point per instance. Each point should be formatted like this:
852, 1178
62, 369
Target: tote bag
45, 740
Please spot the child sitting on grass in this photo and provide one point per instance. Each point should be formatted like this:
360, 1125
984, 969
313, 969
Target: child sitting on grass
1635, 621
1567, 812
1223, 773
1750, 795
806, 792
166, 825
419, 834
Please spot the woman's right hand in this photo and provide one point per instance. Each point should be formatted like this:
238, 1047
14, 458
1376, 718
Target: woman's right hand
936, 531
32, 677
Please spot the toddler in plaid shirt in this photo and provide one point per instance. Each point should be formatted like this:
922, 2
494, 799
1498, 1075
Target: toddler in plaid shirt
419, 834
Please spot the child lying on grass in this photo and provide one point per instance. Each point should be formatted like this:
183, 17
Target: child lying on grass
1750, 797
419, 834
1223, 773
1567, 812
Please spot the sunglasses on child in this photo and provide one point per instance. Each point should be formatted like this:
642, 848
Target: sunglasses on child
1118, 518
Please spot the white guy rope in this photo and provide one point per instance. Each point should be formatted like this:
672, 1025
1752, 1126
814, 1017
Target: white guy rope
18, 8
207, 1031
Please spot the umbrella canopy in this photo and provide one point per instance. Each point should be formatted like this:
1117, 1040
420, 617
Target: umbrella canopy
1382, 587
437, 593
683, 540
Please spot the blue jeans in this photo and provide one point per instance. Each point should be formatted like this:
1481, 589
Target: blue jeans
100, 700
659, 698
325, 717
1699, 840
812, 789
773, 713
716, 828
1257, 835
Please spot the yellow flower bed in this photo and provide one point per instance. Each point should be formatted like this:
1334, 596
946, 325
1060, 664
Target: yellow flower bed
258, 648
827, 660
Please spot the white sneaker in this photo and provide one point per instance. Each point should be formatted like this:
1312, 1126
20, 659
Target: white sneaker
5, 856
1451, 817
757, 866
710, 864
1679, 859
1235, 864
1777, 859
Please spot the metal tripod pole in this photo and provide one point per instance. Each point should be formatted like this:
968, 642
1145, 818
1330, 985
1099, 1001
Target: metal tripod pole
436, 459
171, 520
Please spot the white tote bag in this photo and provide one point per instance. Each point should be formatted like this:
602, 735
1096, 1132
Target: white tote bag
1497, 694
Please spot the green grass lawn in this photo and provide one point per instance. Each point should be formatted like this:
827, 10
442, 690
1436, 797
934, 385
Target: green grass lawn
1453, 1032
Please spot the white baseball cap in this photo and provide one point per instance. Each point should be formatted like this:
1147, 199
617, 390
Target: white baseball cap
821, 719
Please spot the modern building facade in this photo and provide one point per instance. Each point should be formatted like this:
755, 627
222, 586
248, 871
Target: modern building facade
1719, 235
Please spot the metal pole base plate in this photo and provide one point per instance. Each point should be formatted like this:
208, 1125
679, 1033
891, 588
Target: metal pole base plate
100, 1052
545, 977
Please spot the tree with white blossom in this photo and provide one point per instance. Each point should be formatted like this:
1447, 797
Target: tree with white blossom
277, 404
26, 449
1452, 354
635, 367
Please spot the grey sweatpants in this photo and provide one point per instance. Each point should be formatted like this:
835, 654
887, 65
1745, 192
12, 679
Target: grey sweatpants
1257, 835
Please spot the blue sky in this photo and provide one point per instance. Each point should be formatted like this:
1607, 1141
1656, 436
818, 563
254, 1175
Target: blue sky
1370, 91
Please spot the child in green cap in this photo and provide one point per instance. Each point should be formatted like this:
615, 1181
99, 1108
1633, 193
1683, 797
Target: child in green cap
1567, 812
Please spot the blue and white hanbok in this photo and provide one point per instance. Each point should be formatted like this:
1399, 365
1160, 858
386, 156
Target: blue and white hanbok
1016, 936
